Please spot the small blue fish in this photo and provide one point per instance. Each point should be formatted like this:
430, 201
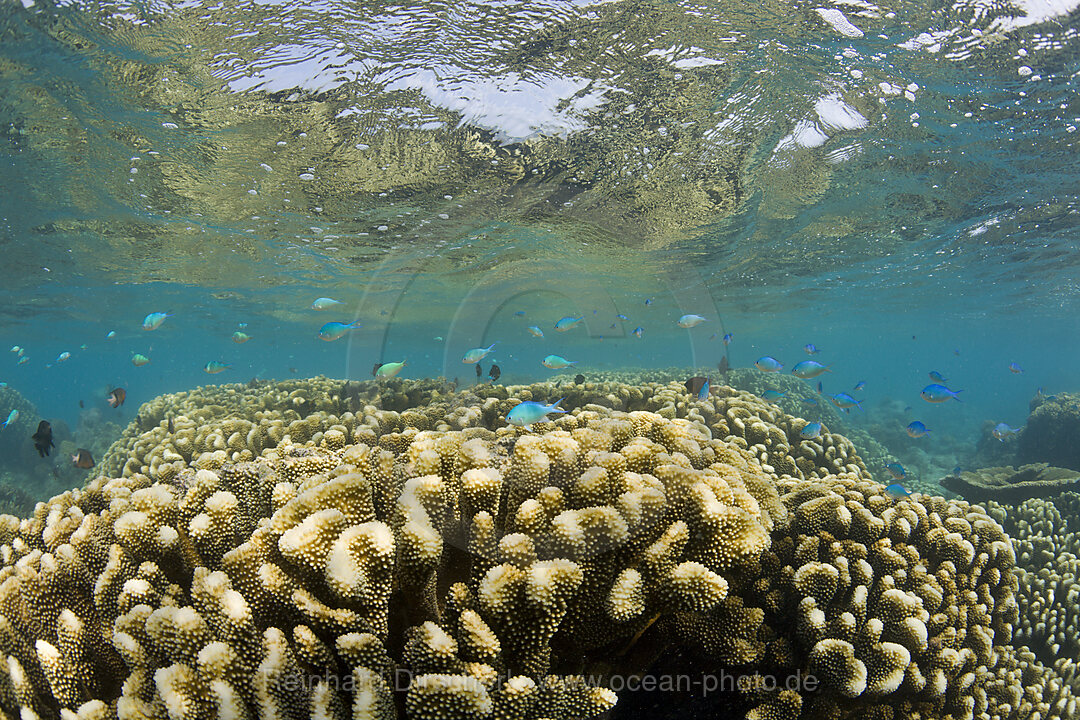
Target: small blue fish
771, 395
613, 326
844, 401
939, 393
242, 326
859, 386
390, 369
535, 331
621, 317
110, 335
896, 491
12, 417
556, 362
1002, 431
896, 470
916, 429
648, 301
477, 354
325, 303
936, 377
1014, 368
768, 364
334, 330
819, 388
907, 409
703, 393
809, 369
23, 360
638, 331
689, 321
957, 470
63, 356
519, 313
153, 320
568, 323
728, 337
810, 349
810, 401
811, 431
528, 412
214, 367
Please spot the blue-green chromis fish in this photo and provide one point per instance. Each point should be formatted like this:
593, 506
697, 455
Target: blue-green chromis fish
703, 393
389, 370
325, 303
844, 401
939, 393
1002, 431
240, 338
771, 395
638, 332
153, 320
334, 330
556, 363
110, 335
937, 377
689, 321
63, 356
214, 367
916, 429
528, 412
896, 470
811, 431
808, 369
568, 323
728, 337
810, 349
139, 360
767, 363
12, 417
477, 354
897, 491
861, 385
1014, 368
535, 331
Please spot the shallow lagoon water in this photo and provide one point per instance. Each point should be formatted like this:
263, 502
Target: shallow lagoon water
895, 184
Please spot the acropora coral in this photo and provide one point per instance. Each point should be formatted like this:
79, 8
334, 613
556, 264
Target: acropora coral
303, 550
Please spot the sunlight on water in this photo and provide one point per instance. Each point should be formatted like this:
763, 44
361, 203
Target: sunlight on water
889, 190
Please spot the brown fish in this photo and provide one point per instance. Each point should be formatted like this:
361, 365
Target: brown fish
723, 366
479, 370
116, 397
578, 379
694, 384
43, 438
494, 372
170, 426
82, 404
83, 459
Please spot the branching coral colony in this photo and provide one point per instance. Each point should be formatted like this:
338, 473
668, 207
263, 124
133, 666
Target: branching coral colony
330, 550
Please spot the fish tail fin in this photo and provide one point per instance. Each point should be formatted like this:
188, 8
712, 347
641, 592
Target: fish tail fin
555, 404
956, 394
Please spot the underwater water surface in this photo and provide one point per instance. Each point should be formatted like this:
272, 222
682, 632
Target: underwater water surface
889, 189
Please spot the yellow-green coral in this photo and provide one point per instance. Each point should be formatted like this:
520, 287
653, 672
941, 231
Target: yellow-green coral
486, 563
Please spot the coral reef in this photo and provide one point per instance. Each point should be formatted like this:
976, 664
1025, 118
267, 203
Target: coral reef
1010, 484
1052, 432
1045, 534
396, 550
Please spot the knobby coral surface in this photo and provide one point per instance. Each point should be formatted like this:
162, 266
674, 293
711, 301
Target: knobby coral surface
429, 561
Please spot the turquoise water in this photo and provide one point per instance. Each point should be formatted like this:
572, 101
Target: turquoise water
896, 185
